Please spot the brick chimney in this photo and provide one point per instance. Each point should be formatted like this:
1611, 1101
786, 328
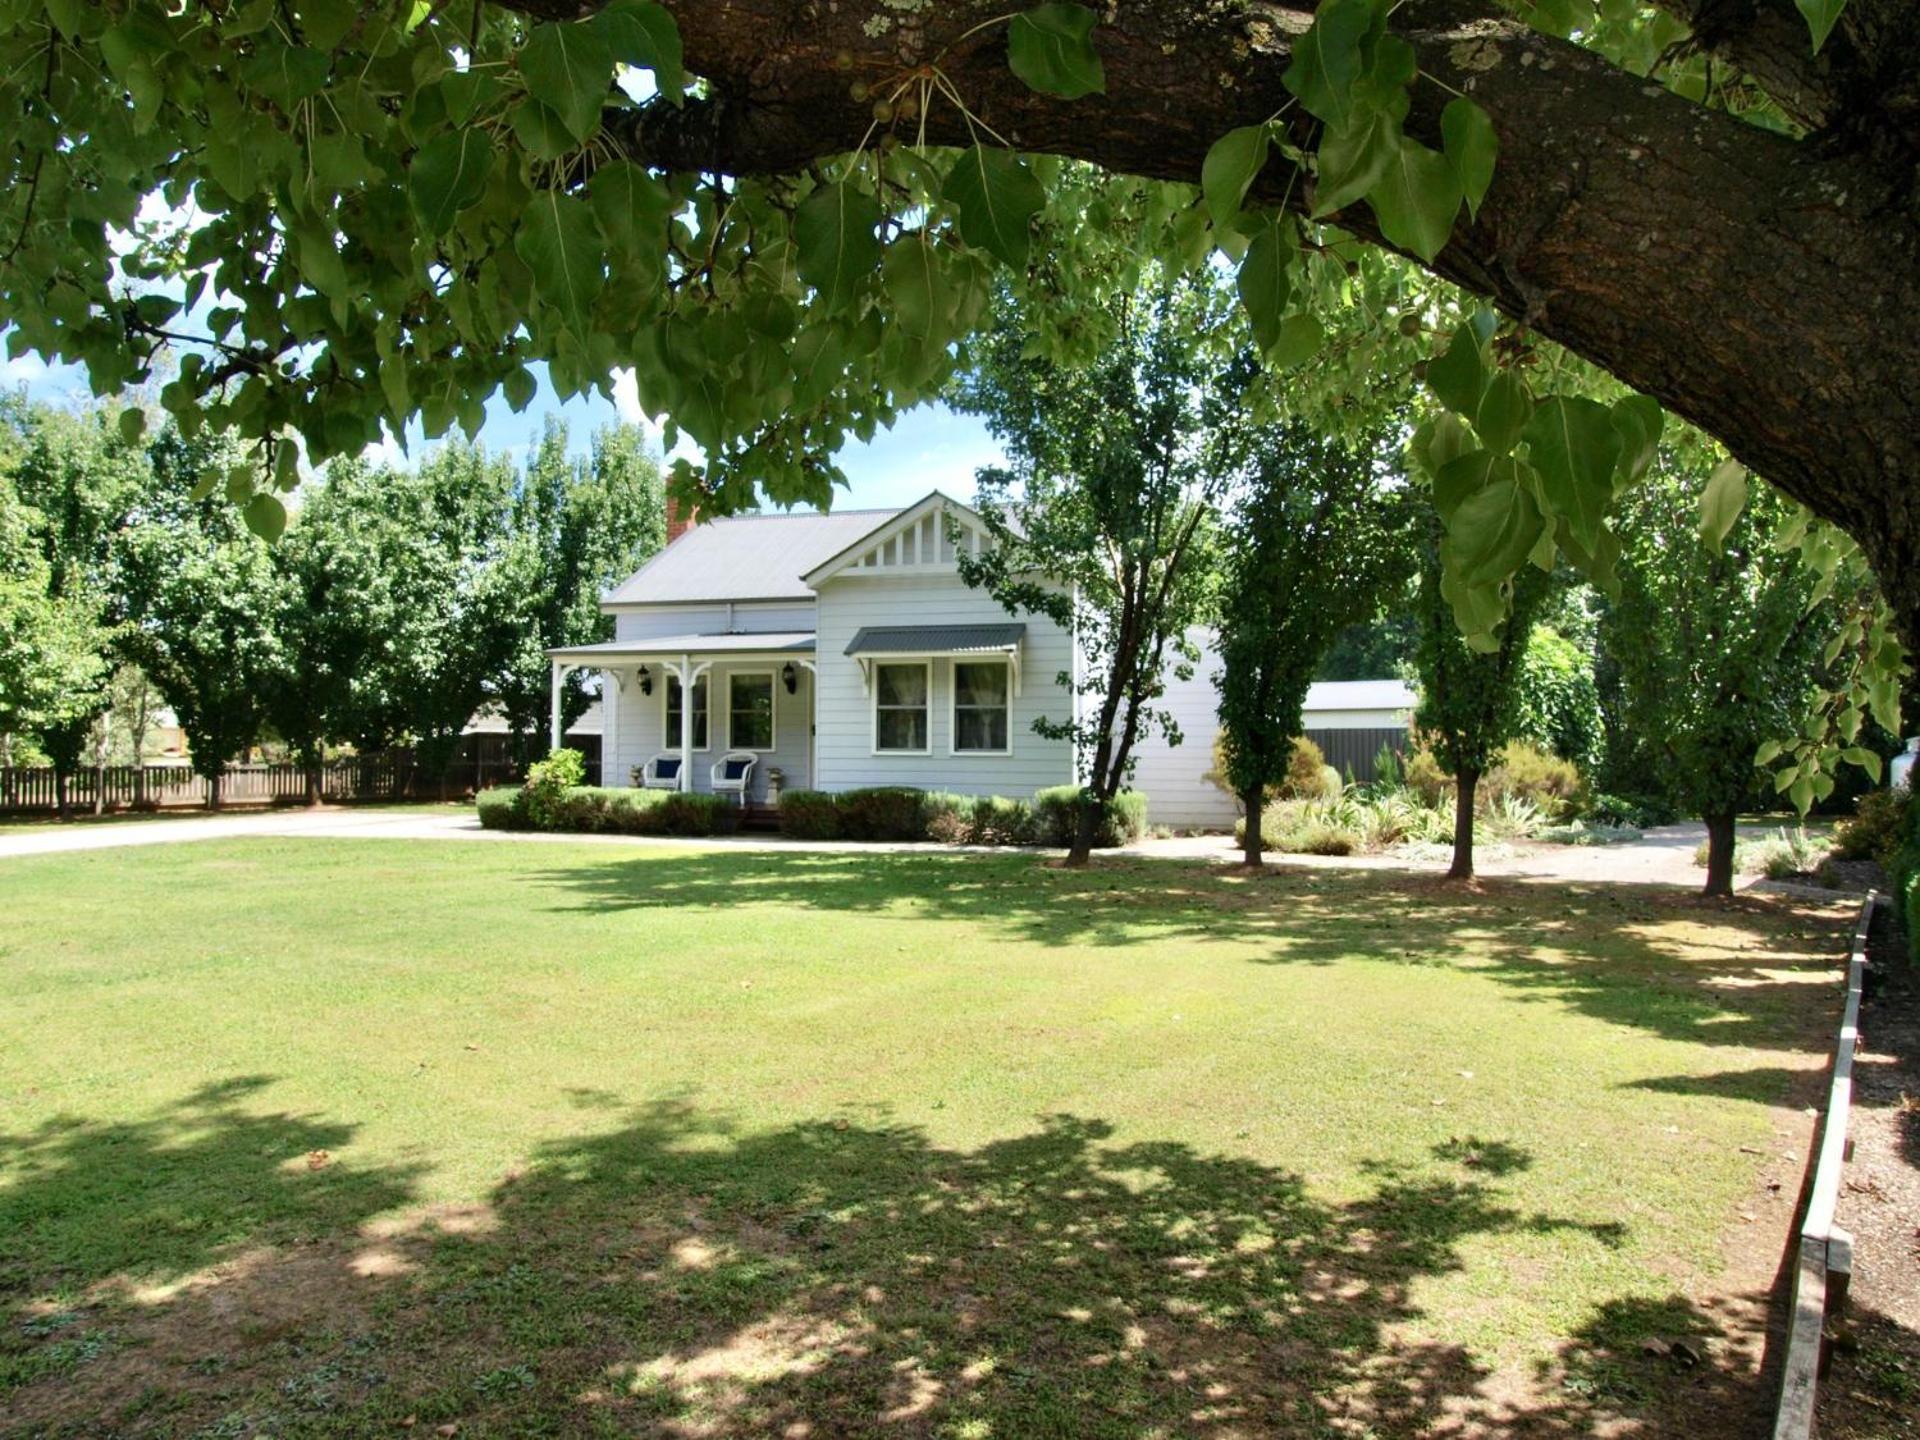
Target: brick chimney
680, 517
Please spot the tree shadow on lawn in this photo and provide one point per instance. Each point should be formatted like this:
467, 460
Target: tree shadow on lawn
1747, 972
674, 1276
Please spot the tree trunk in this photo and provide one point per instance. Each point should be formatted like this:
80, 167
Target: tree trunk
315, 782
1720, 840
61, 806
1080, 853
213, 791
1464, 785
1252, 840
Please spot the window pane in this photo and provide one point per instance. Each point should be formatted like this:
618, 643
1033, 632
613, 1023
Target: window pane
699, 713
750, 712
980, 729
976, 684
902, 684
902, 730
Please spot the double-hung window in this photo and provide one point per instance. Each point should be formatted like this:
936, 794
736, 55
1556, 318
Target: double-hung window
675, 712
902, 692
982, 707
750, 711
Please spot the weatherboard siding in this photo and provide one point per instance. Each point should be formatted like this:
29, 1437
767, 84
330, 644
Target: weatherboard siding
648, 622
844, 743
639, 729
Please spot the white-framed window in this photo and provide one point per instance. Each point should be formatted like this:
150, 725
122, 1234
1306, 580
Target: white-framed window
902, 707
982, 707
750, 710
671, 700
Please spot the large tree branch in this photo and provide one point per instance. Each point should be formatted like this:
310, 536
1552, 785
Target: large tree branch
1766, 289
1866, 77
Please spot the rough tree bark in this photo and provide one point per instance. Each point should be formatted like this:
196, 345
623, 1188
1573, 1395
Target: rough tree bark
1465, 784
1720, 841
1764, 287
1252, 838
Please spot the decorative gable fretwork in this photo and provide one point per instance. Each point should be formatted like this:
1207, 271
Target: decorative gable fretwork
921, 544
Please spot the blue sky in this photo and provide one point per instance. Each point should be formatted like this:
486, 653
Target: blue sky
928, 448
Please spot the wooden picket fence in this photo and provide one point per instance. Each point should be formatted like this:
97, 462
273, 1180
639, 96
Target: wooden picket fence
390, 775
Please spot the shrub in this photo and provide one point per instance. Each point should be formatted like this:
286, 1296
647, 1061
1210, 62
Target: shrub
884, 812
503, 809
947, 818
1307, 773
1526, 772
1320, 838
1056, 817
548, 781
1627, 812
1877, 828
1000, 821
1425, 778
689, 814
1387, 774
809, 815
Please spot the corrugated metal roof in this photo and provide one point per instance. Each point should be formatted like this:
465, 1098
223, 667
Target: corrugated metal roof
932, 639
1361, 695
746, 557
731, 642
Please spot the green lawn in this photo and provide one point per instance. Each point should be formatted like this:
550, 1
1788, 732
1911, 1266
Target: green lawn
320, 1137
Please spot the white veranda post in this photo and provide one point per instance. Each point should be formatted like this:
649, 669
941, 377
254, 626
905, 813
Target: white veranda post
555, 735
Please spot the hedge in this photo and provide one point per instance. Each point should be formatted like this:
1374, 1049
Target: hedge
897, 813
594, 810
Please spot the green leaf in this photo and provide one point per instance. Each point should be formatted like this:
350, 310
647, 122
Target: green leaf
1638, 420
1050, 47
1768, 752
1505, 408
561, 247
1865, 759
1467, 474
520, 387
1458, 375
639, 32
1300, 339
1722, 501
921, 296
447, 175
632, 207
133, 424
1228, 171
265, 516
1821, 17
833, 231
1466, 133
1416, 199
998, 196
287, 74
1265, 281
1572, 445
541, 130
1493, 530
205, 485
1352, 159
1327, 59
568, 68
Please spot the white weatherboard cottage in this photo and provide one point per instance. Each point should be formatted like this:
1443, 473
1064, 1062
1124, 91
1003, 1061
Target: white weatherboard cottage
843, 650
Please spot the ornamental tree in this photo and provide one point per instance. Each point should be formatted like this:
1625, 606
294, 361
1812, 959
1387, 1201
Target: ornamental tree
1716, 647
334, 218
199, 594
1317, 537
1103, 520
579, 527
1469, 696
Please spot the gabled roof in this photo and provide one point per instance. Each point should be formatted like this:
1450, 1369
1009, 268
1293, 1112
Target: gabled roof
745, 557
896, 522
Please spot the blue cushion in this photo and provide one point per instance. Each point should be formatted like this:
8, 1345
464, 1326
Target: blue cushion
666, 769
734, 769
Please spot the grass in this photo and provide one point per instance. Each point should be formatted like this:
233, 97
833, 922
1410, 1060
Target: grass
29, 823
322, 1137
